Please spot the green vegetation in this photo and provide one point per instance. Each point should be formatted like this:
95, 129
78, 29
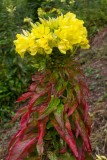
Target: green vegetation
13, 70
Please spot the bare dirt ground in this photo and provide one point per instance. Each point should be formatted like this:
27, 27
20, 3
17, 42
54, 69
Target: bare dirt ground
97, 80
94, 63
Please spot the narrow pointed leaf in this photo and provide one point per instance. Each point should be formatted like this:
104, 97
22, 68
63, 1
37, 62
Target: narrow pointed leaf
33, 100
85, 106
83, 131
66, 106
52, 156
25, 96
13, 140
41, 129
24, 120
63, 150
33, 87
51, 107
19, 113
20, 148
64, 134
72, 109
35, 97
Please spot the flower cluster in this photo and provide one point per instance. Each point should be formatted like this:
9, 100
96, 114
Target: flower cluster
64, 32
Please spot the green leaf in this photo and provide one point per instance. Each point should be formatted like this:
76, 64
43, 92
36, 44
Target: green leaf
49, 125
60, 109
59, 115
67, 156
52, 156
51, 107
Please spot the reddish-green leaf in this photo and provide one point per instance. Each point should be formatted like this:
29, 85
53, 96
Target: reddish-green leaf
24, 120
33, 87
25, 96
33, 101
20, 148
20, 112
41, 129
51, 107
85, 107
83, 131
72, 109
63, 150
67, 138
13, 140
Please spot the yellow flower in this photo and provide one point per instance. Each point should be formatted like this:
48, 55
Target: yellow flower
40, 31
21, 44
101, 157
52, 23
64, 45
64, 32
43, 44
71, 29
33, 47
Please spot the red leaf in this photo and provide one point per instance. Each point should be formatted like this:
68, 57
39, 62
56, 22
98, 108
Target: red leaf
68, 127
69, 140
85, 106
25, 96
81, 152
63, 150
77, 132
38, 77
88, 124
67, 123
35, 98
66, 106
40, 108
21, 133
24, 120
33, 101
41, 129
83, 131
72, 109
20, 112
84, 87
13, 140
20, 148
33, 87
85, 116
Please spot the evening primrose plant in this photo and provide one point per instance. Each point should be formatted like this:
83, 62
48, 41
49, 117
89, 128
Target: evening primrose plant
54, 122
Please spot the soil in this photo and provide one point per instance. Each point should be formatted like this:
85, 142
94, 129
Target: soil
94, 63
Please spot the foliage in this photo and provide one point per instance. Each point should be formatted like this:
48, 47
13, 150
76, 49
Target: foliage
55, 99
93, 13
13, 70
54, 119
